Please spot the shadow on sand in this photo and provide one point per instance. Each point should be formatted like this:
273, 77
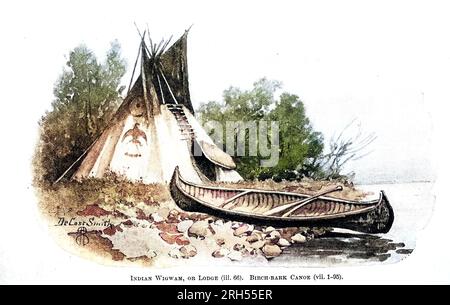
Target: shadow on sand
343, 246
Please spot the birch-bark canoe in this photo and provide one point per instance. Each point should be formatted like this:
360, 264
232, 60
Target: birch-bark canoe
265, 207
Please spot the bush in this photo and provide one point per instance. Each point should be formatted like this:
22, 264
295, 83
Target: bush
87, 94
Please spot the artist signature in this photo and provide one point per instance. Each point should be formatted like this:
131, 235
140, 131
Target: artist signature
91, 222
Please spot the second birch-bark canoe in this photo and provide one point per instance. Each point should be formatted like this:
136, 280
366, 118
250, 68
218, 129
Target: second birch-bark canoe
283, 209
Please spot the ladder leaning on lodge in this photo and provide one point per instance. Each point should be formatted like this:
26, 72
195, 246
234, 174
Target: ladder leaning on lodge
187, 132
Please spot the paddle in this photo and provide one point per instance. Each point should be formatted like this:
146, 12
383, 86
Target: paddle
298, 204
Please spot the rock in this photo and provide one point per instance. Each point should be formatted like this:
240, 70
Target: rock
173, 213
182, 240
188, 251
254, 252
242, 229
93, 210
287, 233
245, 252
156, 217
141, 215
238, 247
164, 212
319, 231
168, 238
184, 225
173, 217
258, 244
219, 222
199, 228
269, 229
166, 227
222, 252
183, 215
271, 251
298, 238
197, 216
220, 241
175, 253
274, 236
235, 256
111, 230
283, 242
253, 238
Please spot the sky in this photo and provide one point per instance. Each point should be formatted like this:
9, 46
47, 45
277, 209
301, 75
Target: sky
369, 61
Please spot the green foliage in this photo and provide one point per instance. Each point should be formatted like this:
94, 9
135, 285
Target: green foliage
300, 146
87, 93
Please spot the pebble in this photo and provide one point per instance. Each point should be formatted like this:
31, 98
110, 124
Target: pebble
269, 229
258, 244
235, 256
283, 242
188, 251
318, 231
168, 238
184, 225
173, 213
182, 240
253, 238
243, 229
271, 251
156, 217
219, 222
164, 212
199, 228
238, 247
298, 238
220, 241
274, 236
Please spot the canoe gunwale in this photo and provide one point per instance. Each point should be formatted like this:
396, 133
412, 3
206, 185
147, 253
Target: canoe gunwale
340, 200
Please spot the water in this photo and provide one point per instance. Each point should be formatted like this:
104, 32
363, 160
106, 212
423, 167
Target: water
413, 206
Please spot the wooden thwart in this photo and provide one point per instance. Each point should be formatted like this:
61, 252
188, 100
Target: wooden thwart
299, 203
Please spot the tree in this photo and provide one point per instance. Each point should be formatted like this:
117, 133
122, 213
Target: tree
347, 146
300, 145
298, 141
87, 93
